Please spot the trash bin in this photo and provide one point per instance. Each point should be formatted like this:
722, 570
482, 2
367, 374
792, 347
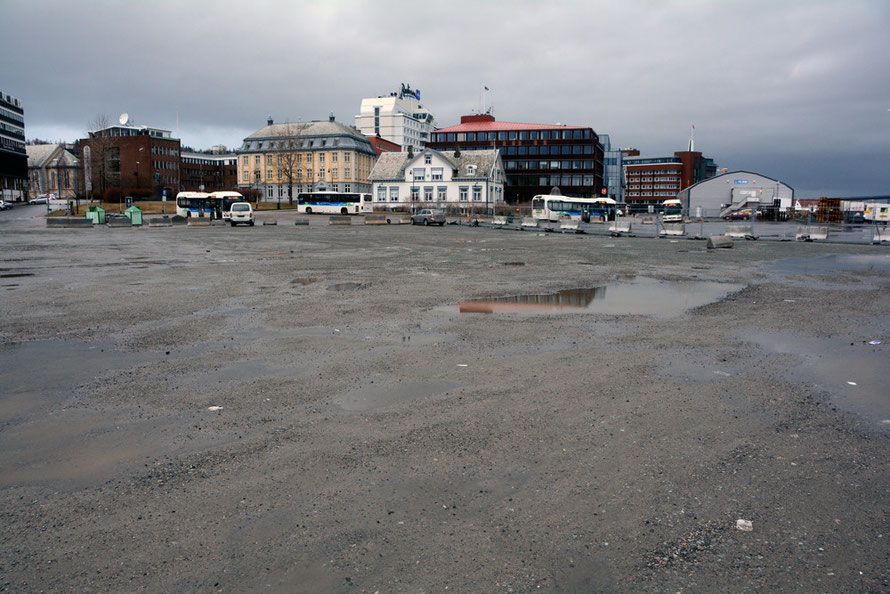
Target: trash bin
134, 214
96, 215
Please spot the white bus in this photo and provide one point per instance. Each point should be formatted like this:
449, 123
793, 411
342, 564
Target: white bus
550, 207
333, 202
672, 211
193, 204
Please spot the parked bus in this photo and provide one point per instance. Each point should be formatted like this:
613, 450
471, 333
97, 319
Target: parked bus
672, 211
225, 200
550, 207
333, 202
193, 204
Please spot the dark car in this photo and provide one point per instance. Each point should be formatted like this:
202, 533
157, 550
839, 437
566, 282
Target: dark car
740, 215
429, 216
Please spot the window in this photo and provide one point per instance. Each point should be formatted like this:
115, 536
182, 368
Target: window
415, 193
320, 159
463, 192
245, 177
419, 172
427, 193
394, 193
436, 173
428, 159
477, 193
346, 172
346, 187
346, 157
333, 157
269, 173
381, 194
441, 193
334, 172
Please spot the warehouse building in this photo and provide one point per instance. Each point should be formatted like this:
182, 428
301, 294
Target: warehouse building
734, 193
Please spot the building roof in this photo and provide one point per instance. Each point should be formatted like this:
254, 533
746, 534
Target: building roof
391, 166
313, 135
494, 126
39, 155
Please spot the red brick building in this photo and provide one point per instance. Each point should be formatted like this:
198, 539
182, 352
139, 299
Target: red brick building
201, 172
134, 160
652, 180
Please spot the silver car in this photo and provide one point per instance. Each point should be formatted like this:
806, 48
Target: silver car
429, 216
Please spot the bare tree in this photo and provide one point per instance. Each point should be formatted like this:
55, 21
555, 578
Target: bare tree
100, 174
289, 167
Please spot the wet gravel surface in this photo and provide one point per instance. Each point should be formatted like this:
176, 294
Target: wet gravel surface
304, 408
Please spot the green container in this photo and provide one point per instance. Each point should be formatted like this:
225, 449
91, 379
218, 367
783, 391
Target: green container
96, 215
134, 214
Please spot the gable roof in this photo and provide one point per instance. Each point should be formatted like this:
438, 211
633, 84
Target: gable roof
40, 155
392, 165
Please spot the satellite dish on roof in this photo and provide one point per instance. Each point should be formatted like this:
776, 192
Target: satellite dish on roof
124, 119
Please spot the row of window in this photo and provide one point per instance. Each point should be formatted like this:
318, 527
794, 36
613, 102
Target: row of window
548, 164
282, 190
637, 180
632, 173
158, 164
550, 180
8, 113
165, 150
294, 158
297, 174
514, 135
441, 193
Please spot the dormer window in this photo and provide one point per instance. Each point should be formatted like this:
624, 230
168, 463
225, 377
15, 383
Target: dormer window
471, 170
428, 159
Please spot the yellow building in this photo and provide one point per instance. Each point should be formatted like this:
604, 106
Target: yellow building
282, 160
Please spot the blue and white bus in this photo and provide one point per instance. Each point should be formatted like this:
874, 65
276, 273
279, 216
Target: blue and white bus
332, 202
551, 207
193, 204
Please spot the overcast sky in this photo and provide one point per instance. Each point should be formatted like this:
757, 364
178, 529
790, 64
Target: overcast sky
798, 91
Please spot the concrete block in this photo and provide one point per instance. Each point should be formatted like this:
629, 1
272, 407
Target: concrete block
569, 224
377, 219
498, 221
301, 222
340, 220
199, 222
815, 232
159, 222
529, 223
740, 231
719, 241
619, 226
882, 234
270, 222
672, 230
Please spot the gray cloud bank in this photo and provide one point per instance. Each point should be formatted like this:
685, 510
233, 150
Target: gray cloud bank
795, 90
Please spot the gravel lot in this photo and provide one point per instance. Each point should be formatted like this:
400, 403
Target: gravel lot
304, 408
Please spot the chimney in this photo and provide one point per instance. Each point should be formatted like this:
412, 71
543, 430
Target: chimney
269, 122
331, 118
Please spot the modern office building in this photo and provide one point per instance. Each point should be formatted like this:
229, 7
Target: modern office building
652, 180
613, 167
53, 169
13, 156
537, 157
202, 172
398, 117
284, 159
131, 159
464, 181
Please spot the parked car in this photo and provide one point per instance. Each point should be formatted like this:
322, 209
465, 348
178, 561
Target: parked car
42, 199
738, 215
5, 205
429, 216
241, 212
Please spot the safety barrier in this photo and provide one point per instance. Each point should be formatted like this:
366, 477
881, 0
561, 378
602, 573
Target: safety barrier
719, 241
882, 234
672, 230
270, 222
340, 220
376, 219
529, 223
619, 226
159, 222
199, 222
740, 231
68, 222
116, 222
569, 224
811, 233
498, 221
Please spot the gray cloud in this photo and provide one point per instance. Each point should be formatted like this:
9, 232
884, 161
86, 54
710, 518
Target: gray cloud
795, 90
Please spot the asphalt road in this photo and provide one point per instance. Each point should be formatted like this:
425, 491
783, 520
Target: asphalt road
305, 408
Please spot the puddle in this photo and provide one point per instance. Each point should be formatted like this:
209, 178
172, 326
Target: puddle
345, 286
832, 263
641, 296
373, 397
855, 375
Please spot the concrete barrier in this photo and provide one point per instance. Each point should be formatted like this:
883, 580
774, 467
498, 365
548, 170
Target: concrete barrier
882, 234
116, 222
301, 222
619, 226
719, 241
159, 222
528, 223
68, 223
647, 221
740, 231
340, 220
199, 222
270, 222
672, 230
569, 224
498, 221
376, 219
815, 232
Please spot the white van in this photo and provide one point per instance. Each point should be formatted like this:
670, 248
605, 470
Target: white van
241, 212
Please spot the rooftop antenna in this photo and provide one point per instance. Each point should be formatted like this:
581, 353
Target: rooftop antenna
692, 139
124, 119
